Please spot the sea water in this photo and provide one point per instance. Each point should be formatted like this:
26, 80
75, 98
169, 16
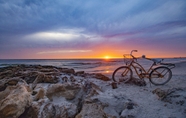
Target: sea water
104, 66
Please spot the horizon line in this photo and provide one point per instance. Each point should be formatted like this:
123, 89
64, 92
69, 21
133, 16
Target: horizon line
76, 58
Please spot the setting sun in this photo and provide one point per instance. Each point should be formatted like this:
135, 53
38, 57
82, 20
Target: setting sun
107, 57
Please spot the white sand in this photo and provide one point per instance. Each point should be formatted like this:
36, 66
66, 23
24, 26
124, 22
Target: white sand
148, 104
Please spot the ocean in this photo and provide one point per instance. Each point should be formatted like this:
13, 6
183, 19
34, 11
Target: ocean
104, 66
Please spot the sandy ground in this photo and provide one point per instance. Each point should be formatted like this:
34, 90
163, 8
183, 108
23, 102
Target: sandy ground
148, 105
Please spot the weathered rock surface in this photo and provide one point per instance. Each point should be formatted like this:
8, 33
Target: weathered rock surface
65, 90
97, 76
91, 110
173, 96
15, 103
131, 110
137, 81
53, 111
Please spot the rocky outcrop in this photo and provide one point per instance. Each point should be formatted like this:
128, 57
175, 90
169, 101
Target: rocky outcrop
97, 76
44, 85
79, 73
68, 71
15, 100
173, 96
40, 94
53, 111
35, 91
65, 90
137, 81
91, 110
131, 110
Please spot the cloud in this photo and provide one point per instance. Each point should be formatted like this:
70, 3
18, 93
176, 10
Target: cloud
64, 51
71, 24
105, 17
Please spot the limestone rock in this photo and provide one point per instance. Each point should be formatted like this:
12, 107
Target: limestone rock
72, 79
30, 77
91, 110
65, 90
34, 111
173, 96
40, 95
137, 81
131, 110
6, 73
99, 76
16, 102
80, 73
68, 71
6, 92
93, 89
65, 79
45, 78
51, 111
160, 93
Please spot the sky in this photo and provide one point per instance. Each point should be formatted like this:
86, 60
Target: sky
60, 29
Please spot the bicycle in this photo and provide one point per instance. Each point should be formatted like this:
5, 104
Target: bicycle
159, 73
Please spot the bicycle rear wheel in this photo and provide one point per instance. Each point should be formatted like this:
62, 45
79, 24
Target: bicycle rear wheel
122, 74
160, 75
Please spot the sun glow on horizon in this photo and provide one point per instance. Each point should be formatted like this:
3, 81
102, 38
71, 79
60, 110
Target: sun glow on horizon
107, 57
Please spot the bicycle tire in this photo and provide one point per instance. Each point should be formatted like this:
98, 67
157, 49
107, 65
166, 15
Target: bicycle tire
119, 75
160, 75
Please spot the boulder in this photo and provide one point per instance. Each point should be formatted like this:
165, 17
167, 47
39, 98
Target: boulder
72, 79
6, 92
42, 78
34, 111
137, 81
101, 77
51, 111
6, 73
39, 95
98, 76
64, 90
91, 110
160, 93
80, 73
47, 109
15, 103
11, 81
65, 79
92, 89
131, 110
68, 71
29, 77
173, 96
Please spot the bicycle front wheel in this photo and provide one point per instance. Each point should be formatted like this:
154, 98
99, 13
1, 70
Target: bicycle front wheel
160, 75
122, 74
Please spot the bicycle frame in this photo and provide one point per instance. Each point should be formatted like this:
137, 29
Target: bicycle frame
156, 71
143, 73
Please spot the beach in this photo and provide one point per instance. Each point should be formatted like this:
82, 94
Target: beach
83, 89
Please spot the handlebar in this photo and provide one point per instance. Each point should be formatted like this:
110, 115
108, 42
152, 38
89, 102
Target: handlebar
133, 51
156, 61
132, 55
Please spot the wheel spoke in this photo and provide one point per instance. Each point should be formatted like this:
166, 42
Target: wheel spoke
122, 74
160, 75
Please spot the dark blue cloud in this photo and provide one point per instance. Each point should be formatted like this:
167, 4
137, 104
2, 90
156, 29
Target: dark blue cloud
98, 21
